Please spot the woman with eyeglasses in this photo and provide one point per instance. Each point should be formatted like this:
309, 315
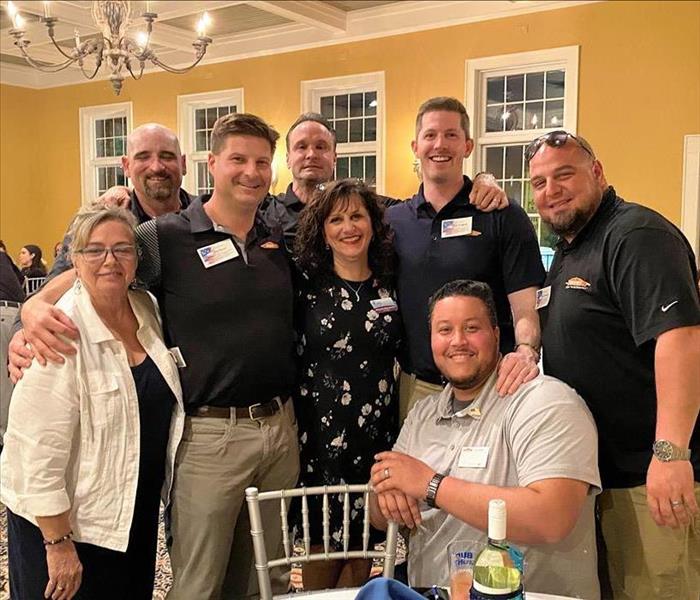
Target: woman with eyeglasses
91, 442
349, 330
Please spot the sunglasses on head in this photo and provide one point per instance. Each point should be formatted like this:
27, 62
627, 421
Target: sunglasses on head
556, 139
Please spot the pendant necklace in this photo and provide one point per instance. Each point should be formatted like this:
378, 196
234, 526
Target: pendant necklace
356, 290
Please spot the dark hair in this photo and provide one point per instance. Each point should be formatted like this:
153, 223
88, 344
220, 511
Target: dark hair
314, 118
2, 246
241, 124
447, 104
36, 259
310, 249
469, 289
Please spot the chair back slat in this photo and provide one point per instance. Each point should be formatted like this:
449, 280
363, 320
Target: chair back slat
326, 525
285, 527
365, 523
346, 521
263, 564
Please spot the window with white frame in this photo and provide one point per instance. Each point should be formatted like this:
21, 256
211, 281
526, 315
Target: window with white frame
513, 99
354, 105
103, 133
197, 114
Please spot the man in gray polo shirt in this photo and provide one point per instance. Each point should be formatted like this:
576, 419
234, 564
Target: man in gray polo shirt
536, 449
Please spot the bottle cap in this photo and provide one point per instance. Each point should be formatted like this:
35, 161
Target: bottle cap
497, 519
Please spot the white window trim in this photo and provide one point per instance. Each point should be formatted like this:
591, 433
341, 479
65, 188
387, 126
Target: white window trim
313, 89
566, 57
88, 161
186, 105
690, 207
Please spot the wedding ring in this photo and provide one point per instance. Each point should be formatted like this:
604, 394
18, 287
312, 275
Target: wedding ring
386, 473
675, 503
60, 588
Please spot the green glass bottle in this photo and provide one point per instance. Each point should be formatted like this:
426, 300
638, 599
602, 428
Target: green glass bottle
498, 567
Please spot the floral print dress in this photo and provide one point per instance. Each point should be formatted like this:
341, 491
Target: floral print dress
347, 398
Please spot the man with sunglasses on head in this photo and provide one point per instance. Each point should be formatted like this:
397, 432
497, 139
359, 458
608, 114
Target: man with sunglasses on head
620, 319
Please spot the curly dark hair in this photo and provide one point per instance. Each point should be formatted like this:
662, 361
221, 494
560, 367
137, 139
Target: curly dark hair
310, 249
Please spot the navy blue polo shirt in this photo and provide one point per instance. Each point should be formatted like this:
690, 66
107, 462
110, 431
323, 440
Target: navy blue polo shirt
232, 321
502, 251
627, 277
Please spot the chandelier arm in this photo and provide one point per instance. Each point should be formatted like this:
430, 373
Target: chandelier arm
175, 70
98, 64
136, 77
59, 47
48, 68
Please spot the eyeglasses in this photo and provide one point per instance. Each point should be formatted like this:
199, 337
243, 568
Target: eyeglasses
98, 254
556, 139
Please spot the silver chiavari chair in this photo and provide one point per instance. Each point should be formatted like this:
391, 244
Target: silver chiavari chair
263, 564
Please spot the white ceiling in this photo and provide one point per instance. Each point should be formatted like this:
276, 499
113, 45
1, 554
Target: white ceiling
242, 29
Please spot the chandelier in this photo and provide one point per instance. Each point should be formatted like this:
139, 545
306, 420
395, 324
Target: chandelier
114, 48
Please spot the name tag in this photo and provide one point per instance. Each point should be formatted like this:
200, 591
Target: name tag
542, 297
474, 457
217, 253
177, 357
456, 227
384, 305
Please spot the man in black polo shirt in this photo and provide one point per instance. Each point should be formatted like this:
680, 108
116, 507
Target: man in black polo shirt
311, 159
621, 324
155, 166
311, 156
224, 286
440, 237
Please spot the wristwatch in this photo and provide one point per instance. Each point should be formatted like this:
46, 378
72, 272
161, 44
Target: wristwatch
667, 451
433, 488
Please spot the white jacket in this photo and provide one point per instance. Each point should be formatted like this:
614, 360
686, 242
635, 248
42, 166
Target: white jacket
73, 434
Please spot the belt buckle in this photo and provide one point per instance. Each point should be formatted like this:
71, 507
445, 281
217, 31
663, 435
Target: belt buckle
250, 412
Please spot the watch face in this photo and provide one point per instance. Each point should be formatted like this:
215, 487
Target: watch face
663, 450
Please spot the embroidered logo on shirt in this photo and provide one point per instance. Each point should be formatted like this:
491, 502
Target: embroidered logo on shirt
667, 306
270, 245
576, 283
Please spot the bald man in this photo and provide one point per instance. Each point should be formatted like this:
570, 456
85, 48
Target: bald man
155, 165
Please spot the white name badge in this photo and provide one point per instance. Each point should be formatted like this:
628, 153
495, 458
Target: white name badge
384, 305
456, 227
177, 357
217, 253
474, 457
542, 297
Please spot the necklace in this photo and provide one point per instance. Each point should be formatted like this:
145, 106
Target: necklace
356, 290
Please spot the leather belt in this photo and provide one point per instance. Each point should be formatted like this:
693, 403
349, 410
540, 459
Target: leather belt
254, 412
10, 303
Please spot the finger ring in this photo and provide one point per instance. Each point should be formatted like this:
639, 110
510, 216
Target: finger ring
676, 503
386, 473
60, 588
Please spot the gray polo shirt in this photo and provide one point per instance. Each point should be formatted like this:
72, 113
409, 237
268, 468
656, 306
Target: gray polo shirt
543, 431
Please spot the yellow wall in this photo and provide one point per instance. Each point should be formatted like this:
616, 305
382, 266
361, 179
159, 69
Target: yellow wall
639, 94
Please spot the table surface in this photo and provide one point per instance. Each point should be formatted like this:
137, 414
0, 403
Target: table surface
350, 593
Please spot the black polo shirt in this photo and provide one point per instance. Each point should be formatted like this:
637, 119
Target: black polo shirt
232, 322
626, 278
501, 251
283, 211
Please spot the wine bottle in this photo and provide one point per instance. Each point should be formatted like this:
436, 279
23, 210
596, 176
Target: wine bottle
498, 567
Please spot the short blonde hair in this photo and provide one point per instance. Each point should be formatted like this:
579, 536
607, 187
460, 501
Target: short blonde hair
90, 217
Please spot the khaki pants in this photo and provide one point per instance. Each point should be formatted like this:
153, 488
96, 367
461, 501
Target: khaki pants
212, 553
645, 561
411, 390
7, 319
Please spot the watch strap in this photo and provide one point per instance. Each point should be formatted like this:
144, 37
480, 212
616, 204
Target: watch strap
433, 488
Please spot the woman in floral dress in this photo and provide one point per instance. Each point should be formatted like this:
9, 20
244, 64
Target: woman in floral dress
349, 333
